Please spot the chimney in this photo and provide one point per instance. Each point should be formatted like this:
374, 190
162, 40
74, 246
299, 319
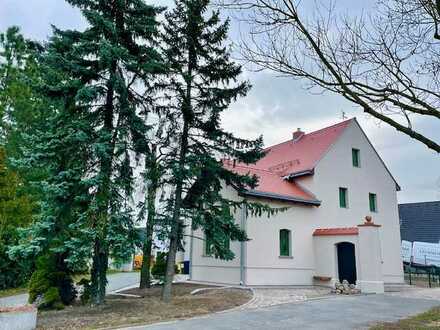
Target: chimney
297, 135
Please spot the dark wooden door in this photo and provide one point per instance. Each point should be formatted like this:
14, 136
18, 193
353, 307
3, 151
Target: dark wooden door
346, 262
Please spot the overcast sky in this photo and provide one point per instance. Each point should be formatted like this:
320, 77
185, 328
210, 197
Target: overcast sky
276, 106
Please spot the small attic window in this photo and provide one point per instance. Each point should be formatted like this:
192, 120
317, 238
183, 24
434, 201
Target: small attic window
355, 155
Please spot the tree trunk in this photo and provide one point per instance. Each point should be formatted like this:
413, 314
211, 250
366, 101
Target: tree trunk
101, 248
148, 243
99, 274
176, 224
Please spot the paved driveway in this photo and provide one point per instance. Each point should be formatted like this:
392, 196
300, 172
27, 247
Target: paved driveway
347, 312
122, 280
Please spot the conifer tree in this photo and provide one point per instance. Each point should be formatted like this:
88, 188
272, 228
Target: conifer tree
104, 67
202, 84
112, 55
60, 149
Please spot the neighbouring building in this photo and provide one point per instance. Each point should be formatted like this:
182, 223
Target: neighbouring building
342, 220
420, 222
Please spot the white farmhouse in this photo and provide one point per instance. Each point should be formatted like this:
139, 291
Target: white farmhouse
342, 221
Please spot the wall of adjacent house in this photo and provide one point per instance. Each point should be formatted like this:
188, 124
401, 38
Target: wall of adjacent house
336, 170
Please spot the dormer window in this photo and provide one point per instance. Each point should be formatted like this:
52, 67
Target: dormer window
355, 155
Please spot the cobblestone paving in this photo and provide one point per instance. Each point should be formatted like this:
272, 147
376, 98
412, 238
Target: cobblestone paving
264, 297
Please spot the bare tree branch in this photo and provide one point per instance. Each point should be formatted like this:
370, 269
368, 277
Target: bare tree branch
387, 63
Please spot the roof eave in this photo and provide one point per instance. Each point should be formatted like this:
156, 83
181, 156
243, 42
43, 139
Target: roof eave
284, 198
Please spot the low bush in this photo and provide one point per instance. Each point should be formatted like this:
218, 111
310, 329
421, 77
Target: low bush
50, 287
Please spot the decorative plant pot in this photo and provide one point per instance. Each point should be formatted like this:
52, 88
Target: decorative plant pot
18, 318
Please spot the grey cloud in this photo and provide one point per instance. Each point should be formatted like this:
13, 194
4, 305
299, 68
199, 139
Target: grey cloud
275, 106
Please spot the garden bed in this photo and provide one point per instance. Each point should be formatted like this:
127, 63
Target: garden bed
121, 310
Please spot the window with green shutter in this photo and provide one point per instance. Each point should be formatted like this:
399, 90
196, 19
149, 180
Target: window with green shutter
343, 198
285, 243
373, 202
355, 153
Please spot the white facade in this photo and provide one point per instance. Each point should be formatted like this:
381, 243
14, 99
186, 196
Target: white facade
258, 261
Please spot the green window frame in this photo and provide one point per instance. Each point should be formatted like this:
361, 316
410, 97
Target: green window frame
208, 245
355, 155
343, 197
372, 198
285, 243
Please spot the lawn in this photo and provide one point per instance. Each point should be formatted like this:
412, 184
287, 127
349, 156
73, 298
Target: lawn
427, 320
120, 311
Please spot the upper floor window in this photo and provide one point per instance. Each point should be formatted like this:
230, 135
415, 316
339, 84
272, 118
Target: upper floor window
343, 197
373, 202
355, 155
285, 243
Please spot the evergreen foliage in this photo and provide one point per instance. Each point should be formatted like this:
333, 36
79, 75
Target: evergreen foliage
15, 211
160, 265
93, 137
50, 286
201, 85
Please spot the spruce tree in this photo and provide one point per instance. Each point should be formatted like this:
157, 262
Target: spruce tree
202, 84
104, 66
60, 149
113, 55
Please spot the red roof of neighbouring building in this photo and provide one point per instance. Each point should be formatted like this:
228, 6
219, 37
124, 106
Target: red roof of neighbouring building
297, 156
336, 231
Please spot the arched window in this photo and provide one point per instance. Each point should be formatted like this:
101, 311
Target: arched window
285, 243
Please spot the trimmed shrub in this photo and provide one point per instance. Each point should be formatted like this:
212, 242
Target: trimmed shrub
49, 287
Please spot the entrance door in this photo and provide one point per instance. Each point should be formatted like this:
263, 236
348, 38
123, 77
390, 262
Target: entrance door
346, 262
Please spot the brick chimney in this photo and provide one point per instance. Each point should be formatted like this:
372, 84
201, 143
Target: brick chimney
297, 135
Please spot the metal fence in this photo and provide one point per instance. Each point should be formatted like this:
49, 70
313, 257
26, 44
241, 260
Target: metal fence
421, 275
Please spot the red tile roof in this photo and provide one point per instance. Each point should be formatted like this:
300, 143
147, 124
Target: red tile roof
336, 231
290, 158
294, 157
272, 184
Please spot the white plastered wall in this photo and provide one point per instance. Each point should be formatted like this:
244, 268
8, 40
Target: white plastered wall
209, 269
336, 170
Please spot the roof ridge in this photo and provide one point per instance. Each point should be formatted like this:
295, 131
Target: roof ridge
313, 132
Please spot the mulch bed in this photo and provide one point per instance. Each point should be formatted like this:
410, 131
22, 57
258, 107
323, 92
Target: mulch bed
120, 310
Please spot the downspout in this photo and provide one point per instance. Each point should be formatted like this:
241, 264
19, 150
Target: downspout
191, 246
243, 247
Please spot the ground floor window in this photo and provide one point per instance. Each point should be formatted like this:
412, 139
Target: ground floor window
209, 245
285, 243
